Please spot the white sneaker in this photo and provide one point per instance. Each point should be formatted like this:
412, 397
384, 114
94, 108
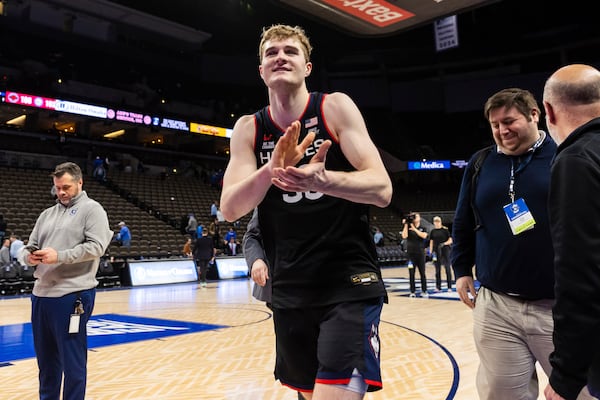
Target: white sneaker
450, 290
425, 295
412, 295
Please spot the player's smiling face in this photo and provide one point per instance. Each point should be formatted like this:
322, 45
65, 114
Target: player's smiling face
283, 62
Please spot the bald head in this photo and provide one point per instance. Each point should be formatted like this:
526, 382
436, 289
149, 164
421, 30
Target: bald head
571, 99
575, 84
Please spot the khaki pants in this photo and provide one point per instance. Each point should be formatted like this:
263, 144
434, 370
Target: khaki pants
511, 335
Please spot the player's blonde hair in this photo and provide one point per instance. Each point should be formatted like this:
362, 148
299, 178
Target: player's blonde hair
281, 32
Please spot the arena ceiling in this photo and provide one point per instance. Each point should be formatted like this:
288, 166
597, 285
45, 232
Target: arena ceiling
156, 47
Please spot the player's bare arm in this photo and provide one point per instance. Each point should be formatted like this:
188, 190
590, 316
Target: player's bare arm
244, 186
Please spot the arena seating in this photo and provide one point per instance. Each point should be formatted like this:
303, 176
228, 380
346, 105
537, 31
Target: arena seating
27, 193
154, 207
391, 255
10, 281
173, 196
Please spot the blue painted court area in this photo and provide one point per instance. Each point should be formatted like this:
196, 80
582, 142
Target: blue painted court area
401, 287
16, 341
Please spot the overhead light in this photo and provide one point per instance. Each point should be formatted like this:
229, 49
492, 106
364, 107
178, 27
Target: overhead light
66, 126
115, 134
20, 120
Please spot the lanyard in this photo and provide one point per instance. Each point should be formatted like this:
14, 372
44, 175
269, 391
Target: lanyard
522, 165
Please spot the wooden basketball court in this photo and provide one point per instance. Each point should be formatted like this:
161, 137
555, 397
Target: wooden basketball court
427, 347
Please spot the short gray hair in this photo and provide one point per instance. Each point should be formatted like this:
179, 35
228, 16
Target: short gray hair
67, 167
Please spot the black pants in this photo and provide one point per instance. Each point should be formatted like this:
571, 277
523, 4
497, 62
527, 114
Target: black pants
418, 261
443, 258
202, 268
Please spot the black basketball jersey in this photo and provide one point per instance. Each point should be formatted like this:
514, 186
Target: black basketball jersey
320, 249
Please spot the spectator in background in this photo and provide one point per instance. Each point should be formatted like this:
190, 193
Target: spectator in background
204, 253
216, 178
64, 291
572, 103
187, 248
231, 248
378, 237
501, 227
106, 165
415, 236
214, 230
231, 233
15, 245
220, 216
257, 261
99, 172
124, 235
5, 252
214, 207
192, 225
439, 248
3, 226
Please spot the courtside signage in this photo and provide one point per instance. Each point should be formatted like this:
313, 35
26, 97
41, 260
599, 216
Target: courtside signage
433, 164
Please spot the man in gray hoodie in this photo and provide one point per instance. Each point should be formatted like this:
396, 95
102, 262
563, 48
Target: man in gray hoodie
65, 247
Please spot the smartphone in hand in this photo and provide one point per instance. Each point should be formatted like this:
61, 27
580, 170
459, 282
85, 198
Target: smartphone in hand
31, 248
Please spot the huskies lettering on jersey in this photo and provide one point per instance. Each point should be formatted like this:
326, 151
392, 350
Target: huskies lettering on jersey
265, 156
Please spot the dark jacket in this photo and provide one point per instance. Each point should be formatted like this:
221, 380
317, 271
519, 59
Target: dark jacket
517, 264
253, 250
574, 208
204, 248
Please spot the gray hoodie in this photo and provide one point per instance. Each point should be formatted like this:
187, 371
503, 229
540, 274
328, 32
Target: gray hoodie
80, 234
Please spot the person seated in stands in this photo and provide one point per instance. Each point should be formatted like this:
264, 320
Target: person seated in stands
231, 233
187, 248
5, 252
15, 244
378, 237
123, 238
232, 247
